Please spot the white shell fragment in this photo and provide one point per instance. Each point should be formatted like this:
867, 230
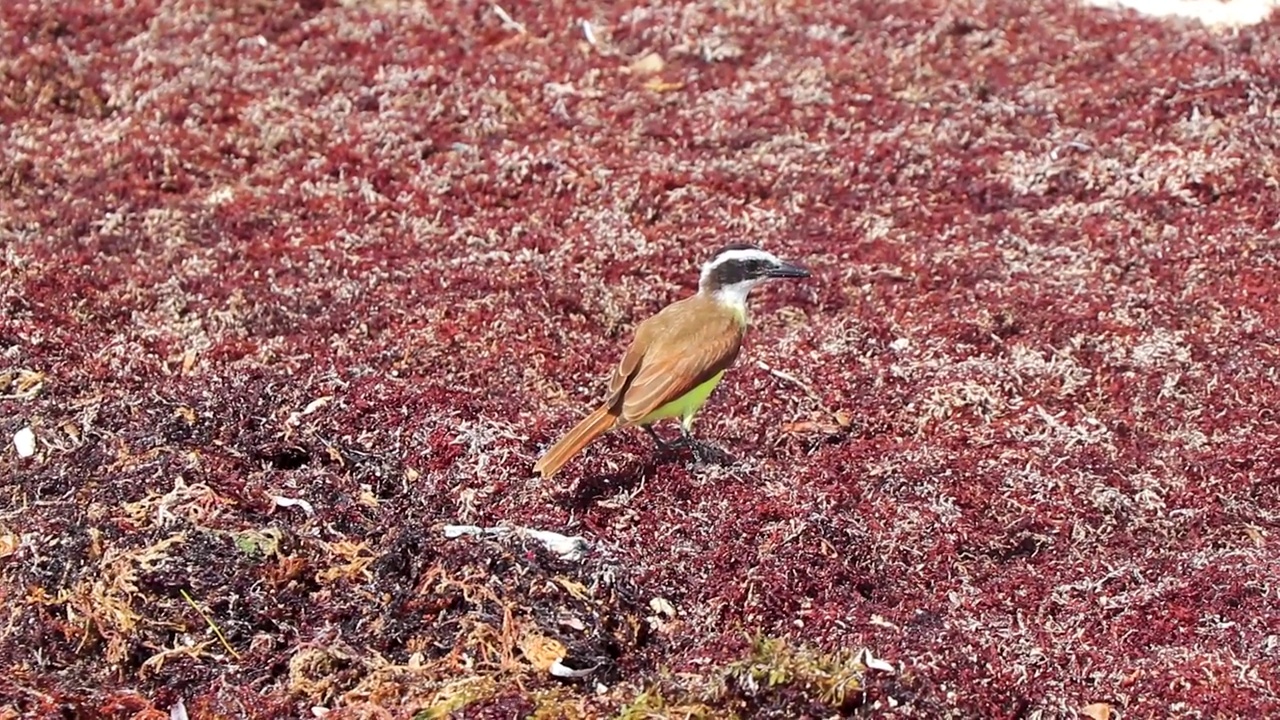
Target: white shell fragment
560, 670
568, 547
24, 441
662, 606
570, 621
455, 531
282, 501
313, 406
872, 662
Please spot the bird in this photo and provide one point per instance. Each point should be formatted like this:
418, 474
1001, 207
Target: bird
677, 357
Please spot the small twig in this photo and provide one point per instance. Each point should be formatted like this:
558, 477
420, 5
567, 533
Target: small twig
793, 380
1055, 153
892, 274
507, 20
212, 625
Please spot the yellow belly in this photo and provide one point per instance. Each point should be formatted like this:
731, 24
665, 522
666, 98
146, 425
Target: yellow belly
686, 405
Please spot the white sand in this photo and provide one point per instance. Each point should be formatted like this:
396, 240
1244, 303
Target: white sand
1231, 13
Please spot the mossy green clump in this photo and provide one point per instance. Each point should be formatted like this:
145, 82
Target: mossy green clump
774, 667
259, 543
652, 704
455, 697
775, 678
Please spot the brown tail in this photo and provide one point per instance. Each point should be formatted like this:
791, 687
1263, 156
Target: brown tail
590, 428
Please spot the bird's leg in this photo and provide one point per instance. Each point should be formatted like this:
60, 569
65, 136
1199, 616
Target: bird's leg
684, 441
662, 446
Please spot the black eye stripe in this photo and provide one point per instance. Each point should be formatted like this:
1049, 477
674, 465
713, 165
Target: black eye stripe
735, 271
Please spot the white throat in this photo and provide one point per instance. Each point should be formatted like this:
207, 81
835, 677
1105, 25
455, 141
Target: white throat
735, 296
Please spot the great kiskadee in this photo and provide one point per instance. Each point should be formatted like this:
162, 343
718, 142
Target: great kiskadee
678, 356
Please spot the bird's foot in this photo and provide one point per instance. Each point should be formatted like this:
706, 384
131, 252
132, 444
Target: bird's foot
703, 452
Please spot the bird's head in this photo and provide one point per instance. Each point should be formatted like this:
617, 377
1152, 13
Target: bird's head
735, 269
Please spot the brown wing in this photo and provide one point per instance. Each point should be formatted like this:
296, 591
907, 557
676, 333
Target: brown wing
627, 368
673, 352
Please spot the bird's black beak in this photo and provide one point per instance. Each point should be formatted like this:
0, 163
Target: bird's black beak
787, 270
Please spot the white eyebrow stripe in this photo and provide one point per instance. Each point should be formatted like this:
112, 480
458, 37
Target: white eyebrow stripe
731, 255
